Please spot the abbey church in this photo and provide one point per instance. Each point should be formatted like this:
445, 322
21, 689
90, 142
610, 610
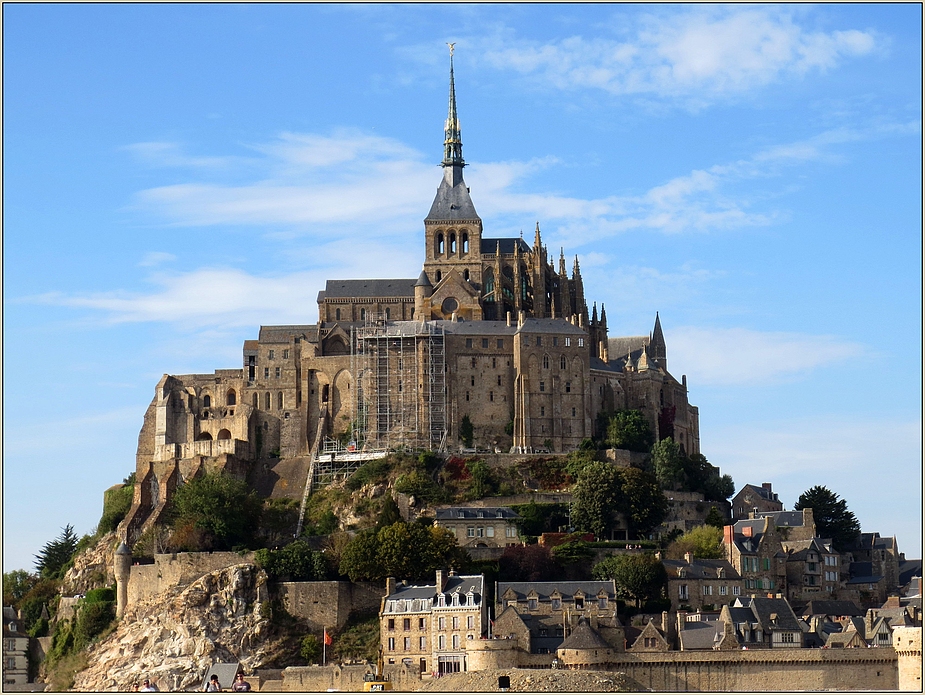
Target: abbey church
490, 332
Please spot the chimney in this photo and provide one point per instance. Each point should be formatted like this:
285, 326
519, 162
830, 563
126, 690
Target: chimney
688, 557
520, 318
728, 533
766, 486
441, 581
870, 619
665, 623
682, 618
390, 584
747, 531
509, 318
658, 554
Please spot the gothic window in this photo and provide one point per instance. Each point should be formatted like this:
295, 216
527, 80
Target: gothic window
266, 400
545, 361
453, 243
231, 399
439, 276
489, 278
465, 243
439, 243
561, 361
206, 401
337, 314
466, 275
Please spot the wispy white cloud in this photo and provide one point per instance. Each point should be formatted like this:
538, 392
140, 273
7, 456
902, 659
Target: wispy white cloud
153, 258
697, 55
739, 356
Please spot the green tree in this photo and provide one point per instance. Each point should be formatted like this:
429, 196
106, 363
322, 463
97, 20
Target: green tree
595, 497
639, 577
358, 559
466, 431
482, 483
629, 429
16, 585
833, 518
667, 464
389, 514
52, 560
715, 518
116, 504
642, 500
310, 649
705, 542
295, 562
224, 508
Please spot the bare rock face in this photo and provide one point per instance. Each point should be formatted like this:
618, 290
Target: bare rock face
173, 638
92, 568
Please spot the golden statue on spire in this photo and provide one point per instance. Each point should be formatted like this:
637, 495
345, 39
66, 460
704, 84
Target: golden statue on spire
452, 46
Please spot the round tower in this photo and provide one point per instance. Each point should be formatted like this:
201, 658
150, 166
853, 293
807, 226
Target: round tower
122, 568
907, 641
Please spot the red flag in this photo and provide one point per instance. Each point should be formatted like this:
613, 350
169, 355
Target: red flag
328, 640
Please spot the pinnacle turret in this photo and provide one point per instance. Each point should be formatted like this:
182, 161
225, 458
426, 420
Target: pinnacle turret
452, 143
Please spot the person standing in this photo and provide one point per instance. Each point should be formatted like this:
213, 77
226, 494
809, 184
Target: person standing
213, 686
240, 685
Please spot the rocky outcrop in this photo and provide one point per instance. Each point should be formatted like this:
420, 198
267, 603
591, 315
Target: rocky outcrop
92, 568
174, 637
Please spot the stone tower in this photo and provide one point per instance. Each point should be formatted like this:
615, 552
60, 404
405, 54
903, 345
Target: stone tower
122, 568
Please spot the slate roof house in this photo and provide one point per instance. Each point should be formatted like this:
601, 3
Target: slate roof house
481, 527
696, 584
763, 623
752, 498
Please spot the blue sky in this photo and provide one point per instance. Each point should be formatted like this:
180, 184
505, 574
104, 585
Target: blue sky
177, 175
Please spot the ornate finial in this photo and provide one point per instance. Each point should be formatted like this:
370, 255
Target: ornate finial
452, 46
452, 142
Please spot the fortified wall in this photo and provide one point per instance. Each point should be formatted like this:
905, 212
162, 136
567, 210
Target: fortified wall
328, 604
346, 677
177, 569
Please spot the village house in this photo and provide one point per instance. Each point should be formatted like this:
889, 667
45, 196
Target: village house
751, 499
753, 547
814, 569
430, 625
763, 623
480, 527
15, 649
695, 584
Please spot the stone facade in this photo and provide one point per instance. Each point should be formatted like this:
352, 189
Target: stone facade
751, 499
15, 649
695, 584
491, 330
753, 547
480, 527
327, 604
430, 627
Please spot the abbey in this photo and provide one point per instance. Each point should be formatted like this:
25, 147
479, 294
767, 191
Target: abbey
491, 333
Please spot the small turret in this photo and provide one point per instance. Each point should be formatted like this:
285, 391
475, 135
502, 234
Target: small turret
422, 291
122, 568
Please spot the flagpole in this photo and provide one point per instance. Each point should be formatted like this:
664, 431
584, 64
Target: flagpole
324, 646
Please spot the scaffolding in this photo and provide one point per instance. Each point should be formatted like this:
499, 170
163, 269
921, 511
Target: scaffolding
400, 370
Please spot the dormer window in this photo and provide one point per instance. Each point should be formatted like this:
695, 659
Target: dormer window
441, 601
455, 599
556, 603
470, 599
579, 603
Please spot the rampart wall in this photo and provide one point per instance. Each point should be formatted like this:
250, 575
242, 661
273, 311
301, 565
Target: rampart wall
346, 677
177, 569
328, 604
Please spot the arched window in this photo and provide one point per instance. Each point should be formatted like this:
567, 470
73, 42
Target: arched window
224, 434
231, 398
440, 243
465, 242
256, 401
489, 282
207, 401
324, 393
279, 401
337, 314
266, 400
362, 314
545, 361
204, 437
466, 275
453, 243
439, 276
561, 361
388, 313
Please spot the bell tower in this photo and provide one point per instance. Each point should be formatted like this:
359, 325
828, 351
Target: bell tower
452, 228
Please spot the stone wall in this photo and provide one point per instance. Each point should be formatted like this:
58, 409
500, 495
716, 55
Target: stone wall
177, 569
346, 677
907, 641
764, 670
328, 604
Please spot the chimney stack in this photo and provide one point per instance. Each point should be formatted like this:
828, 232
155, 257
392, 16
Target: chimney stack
441, 581
509, 318
766, 486
688, 557
390, 584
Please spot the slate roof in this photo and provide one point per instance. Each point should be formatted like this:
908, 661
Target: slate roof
701, 635
461, 584
762, 609
396, 287
618, 347
559, 326
700, 569
832, 608
909, 569
490, 246
584, 637
764, 493
545, 589
784, 518
452, 202
282, 334
484, 513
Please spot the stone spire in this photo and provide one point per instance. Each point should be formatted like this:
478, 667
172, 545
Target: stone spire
562, 262
452, 143
537, 243
658, 351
